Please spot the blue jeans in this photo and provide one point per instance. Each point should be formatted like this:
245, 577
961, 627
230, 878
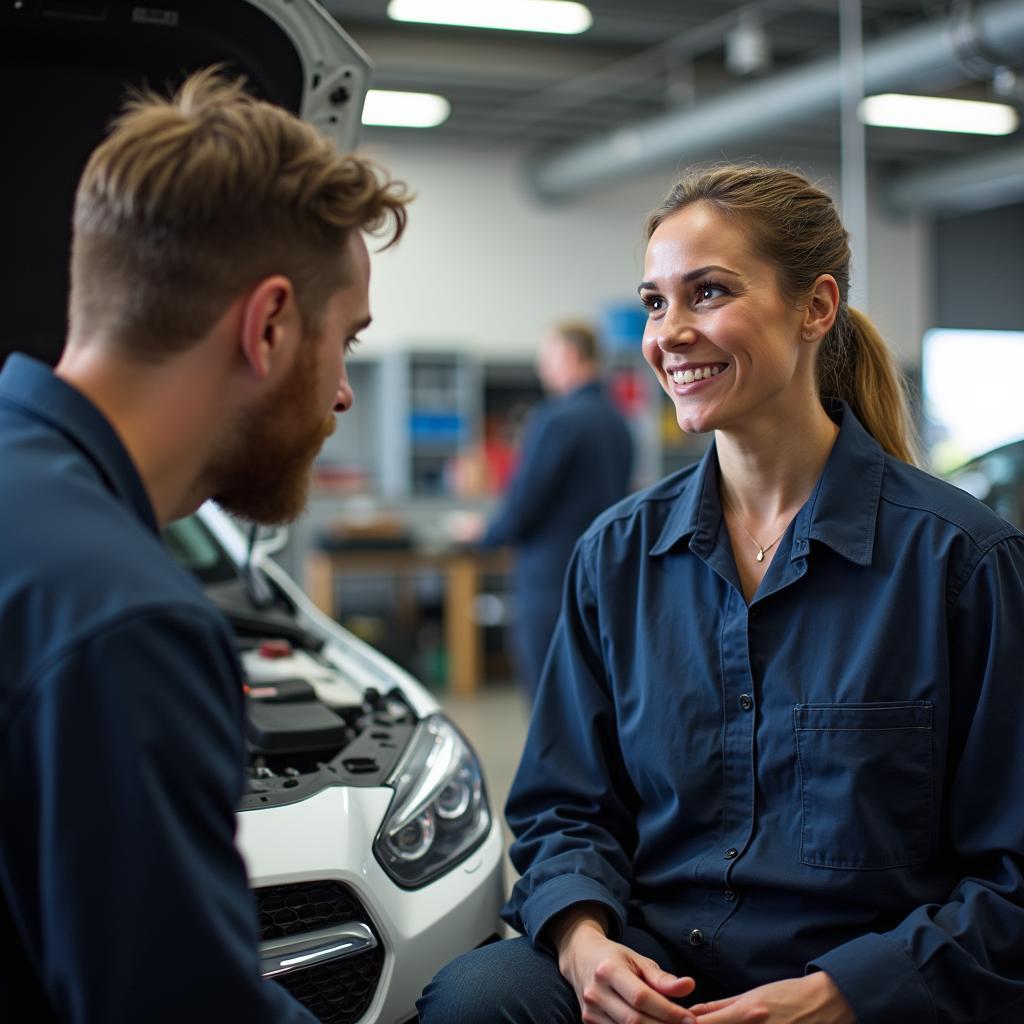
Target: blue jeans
512, 982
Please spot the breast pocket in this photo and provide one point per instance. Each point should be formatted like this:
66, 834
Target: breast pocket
865, 783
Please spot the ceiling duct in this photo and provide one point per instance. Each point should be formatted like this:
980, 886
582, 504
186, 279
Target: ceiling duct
913, 59
962, 186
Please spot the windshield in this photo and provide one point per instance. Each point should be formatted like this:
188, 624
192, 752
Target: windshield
196, 548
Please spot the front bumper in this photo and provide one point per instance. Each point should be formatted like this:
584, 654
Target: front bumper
329, 837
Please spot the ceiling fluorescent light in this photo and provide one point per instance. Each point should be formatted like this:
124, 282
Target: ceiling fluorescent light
935, 114
558, 16
405, 109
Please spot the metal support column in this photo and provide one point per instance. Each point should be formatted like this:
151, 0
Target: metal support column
853, 155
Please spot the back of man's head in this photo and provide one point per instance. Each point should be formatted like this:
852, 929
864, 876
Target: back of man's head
581, 338
192, 200
569, 357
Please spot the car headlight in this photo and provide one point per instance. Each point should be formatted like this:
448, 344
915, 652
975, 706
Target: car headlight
439, 813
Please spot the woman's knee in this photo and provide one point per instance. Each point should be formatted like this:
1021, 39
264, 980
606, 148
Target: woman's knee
507, 981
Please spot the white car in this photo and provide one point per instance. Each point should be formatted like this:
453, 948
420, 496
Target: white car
371, 847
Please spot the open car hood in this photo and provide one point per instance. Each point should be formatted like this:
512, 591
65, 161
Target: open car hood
65, 66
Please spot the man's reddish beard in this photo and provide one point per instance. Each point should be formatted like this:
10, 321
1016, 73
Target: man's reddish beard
263, 472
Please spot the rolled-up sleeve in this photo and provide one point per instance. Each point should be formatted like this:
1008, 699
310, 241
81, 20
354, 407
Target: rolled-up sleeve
963, 959
570, 803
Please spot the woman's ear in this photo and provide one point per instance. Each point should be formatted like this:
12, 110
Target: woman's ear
821, 309
269, 317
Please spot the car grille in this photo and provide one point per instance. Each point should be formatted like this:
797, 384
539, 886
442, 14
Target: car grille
336, 993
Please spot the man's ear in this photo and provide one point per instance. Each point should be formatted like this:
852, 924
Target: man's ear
821, 309
269, 317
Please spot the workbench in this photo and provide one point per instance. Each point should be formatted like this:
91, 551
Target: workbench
461, 570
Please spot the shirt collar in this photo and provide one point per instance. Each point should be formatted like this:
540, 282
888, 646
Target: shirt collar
841, 511
589, 388
37, 391
843, 508
697, 513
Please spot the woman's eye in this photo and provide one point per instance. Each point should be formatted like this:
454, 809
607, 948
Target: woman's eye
709, 290
653, 302
351, 343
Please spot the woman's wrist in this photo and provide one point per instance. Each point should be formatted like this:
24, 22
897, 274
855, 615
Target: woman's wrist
567, 925
831, 999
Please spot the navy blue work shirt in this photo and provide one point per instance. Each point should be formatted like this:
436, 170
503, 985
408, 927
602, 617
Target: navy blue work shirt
122, 895
576, 460
830, 777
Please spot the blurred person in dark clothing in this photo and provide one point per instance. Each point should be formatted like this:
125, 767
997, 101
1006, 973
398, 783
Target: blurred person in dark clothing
577, 458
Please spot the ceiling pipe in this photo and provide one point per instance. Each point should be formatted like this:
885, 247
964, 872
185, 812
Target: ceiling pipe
962, 186
912, 59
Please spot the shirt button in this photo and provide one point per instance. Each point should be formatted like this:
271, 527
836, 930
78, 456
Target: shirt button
729, 895
731, 852
696, 937
746, 701
754, 612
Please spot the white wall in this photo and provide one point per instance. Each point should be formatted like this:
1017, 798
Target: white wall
900, 271
485, 267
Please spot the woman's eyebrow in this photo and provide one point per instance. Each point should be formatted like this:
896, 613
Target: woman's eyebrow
693, 275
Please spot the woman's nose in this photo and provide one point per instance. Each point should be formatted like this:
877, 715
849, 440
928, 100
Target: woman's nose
676, 332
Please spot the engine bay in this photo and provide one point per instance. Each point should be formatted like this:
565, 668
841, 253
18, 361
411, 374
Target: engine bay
308, 727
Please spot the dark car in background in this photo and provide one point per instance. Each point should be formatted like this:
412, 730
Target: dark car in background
997, 478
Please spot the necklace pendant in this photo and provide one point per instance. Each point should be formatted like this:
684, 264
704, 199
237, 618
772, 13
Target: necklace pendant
760, 554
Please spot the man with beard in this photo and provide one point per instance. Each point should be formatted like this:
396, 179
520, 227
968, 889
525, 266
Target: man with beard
218, 277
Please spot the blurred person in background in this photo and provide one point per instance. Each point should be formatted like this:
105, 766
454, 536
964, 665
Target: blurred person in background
774, 767
576, 460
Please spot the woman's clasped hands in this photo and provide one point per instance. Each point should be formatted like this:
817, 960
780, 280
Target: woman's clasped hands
616, 985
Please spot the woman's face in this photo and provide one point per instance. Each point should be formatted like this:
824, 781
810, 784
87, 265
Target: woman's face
723, 341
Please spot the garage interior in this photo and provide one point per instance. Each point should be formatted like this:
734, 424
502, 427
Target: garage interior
531, 193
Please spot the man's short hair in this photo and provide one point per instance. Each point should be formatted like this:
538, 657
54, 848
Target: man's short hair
191, 200
581, 337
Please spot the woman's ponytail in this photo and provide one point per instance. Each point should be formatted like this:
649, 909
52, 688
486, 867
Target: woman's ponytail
856, 365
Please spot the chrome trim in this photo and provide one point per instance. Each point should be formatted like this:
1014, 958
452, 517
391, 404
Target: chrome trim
311, 949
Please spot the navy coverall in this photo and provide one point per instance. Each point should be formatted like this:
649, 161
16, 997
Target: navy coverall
576, 460
122, 895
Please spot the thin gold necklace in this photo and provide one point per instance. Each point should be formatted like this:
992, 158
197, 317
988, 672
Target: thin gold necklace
762, 549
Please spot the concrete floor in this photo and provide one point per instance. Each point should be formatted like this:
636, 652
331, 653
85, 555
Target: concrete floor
495, 723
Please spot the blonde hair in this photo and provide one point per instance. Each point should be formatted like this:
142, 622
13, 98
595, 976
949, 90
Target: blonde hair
193, 199
794, 225
581, 337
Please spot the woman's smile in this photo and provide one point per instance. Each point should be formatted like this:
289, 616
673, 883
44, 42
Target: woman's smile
691, 377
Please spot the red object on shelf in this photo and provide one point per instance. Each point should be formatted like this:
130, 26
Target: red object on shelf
629, 391
275, 649
501, 460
